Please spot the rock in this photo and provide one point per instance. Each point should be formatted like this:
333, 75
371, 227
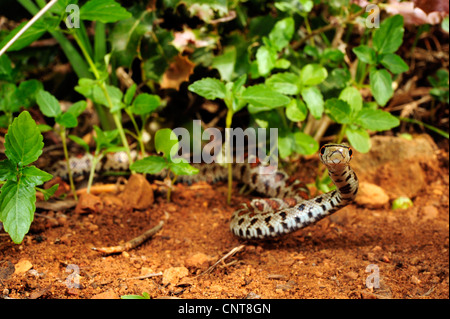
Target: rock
397, 165
198, 260
351, 275
429, 212
173, 275
138, 193
371, 195
110, 294
415, 280
22, 266
88, 203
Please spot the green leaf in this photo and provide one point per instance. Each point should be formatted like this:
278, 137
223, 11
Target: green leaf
77, 108
17, 207
166, 141
105, 139
128, 98
8, 170
286, 144
49, 192
296, 110
44, 128
145, 104
67, 120
394, 63
353, 97
338, 110
105, 11
225, 63
376, 120
126, 37
261, 96
86, 87
444, 24
114, 94
313, 74
29, 90
80, 142
48, 104
10, 100
284, 83
314, 100
266, 59
183, 168
365, 54
23, 142
238, 85
31, 35
149, 165
209, 88
389, 37
5, 68
381, 86
282, 33
33, 176
358, 138
305, 144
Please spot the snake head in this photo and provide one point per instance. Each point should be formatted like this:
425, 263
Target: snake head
335, 155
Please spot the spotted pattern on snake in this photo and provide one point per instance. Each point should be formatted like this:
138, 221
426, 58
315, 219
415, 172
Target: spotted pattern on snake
284, 212
264, 218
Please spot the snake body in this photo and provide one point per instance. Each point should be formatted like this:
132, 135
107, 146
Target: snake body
286, 210
274, 217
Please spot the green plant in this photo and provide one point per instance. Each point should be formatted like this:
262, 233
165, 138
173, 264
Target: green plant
13, 96
439, 82
145, 295
50, 107
166, 142
105, 142
235, 97
93, 60
23, 146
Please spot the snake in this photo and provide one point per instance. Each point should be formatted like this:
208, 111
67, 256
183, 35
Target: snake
274, 217
285, 207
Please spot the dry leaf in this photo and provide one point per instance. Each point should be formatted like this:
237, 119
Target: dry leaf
178, 72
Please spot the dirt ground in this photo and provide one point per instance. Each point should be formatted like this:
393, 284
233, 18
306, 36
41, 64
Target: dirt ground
366, 250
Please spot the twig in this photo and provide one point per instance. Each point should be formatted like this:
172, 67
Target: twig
328, 27
134, 242
230, 253
145, 276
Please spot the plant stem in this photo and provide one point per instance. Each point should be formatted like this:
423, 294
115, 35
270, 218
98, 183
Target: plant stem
138, 132
62, 133
95, 159
228, 152
341, 134
308, 29
116, 115
172, 182
430, 127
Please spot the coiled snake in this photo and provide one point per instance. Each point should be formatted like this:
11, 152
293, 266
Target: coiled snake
274, 217
285, 212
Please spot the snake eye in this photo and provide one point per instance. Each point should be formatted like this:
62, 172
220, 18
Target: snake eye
322, 150
350, 152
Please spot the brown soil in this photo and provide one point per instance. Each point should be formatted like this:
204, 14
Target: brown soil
409, 247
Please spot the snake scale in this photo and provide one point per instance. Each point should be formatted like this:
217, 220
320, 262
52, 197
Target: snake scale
274, 217
284, 211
